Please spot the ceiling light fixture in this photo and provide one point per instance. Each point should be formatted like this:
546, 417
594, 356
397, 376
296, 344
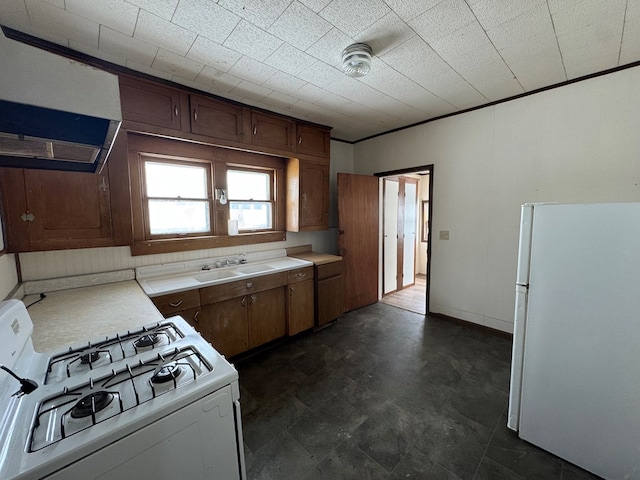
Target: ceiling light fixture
356, 60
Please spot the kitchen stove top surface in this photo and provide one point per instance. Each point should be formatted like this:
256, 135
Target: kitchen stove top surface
81, 359
94, 394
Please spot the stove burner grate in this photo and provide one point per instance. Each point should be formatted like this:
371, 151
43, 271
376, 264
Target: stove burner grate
166, 373
89, 358
91, 404
147, 340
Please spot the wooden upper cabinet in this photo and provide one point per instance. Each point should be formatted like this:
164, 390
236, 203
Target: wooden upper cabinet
217, 119
307, 195
51, 210
312, 140
272, 131
153, 104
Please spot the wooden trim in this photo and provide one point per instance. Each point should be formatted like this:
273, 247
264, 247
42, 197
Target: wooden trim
475, 326
173, 245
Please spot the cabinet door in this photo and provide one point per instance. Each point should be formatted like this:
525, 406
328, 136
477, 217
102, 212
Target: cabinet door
49, 210
216, 119
314, 195
330, 299
307, 195
266, 316
272, 131
151, 103
192, 316
300, 314
225, 325
312, 140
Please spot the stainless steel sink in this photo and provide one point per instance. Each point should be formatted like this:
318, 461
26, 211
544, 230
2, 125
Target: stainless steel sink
215, 275
248, 269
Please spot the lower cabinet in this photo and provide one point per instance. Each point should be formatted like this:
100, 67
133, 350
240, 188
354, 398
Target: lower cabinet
329, 292
239, 324
238, 316
300, 295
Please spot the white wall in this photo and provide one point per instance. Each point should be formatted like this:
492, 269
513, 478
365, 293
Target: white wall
577, 143
421, 247
64, 263
8, 275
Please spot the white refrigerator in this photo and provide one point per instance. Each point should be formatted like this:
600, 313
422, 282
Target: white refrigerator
575, 372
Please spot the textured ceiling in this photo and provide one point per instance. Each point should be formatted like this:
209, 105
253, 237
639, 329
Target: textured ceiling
431, 57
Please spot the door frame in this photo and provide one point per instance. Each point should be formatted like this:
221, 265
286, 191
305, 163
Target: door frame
420, 169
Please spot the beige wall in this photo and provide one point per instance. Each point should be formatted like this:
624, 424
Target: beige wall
577, 143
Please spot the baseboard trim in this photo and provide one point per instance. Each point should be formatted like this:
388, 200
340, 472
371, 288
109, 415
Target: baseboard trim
465, 323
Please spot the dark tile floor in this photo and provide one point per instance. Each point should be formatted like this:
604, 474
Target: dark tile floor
387, 394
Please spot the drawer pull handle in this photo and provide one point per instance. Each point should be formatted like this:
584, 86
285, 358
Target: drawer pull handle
195, 317
302, 274
253, 299
249, 284
177, 304
243, 302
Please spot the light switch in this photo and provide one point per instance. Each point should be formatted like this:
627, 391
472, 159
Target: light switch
444, 234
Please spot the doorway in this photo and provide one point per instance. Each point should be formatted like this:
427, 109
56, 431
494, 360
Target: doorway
406, 234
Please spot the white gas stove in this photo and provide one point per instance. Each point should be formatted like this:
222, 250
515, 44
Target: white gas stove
158, 402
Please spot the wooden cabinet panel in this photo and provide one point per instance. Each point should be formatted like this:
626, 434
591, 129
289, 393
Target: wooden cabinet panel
241, 287
307, 195
151, 103
300, 301
225, 325
299, 275
266, 313
272, 131
216, 119
49, 210
312, 140
329, 292
173, 303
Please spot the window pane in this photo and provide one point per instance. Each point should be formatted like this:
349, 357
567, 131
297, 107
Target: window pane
178, 216
251, 215
171, 180
248, 185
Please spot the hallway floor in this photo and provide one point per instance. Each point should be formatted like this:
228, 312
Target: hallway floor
387, 394
413, 298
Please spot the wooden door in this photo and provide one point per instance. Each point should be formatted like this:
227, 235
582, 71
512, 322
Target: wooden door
266, 311
224, 324
300, 315
358, 217
314, 186
216, 119
152, 104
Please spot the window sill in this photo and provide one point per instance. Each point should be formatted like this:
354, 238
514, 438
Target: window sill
151, 247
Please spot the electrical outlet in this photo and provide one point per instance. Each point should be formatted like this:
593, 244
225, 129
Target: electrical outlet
444, 234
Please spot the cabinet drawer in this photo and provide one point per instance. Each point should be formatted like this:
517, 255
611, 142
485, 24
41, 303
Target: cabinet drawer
173, 303
330, 269
238, 288
299, 275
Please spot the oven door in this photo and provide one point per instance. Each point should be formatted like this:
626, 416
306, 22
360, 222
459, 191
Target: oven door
199, 441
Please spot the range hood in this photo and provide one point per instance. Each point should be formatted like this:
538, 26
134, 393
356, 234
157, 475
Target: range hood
55, 113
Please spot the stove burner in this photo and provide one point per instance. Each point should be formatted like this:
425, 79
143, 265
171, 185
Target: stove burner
147, 340
89, 357
166, 373
91, 404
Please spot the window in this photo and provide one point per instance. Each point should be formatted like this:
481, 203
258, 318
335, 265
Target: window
251, 200
177, 198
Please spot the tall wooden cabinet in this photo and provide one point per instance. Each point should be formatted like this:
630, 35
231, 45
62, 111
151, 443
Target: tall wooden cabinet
307, 195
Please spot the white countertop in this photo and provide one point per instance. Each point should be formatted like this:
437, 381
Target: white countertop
70, 316
179, 277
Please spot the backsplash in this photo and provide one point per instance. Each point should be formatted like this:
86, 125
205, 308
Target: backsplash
65, 263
